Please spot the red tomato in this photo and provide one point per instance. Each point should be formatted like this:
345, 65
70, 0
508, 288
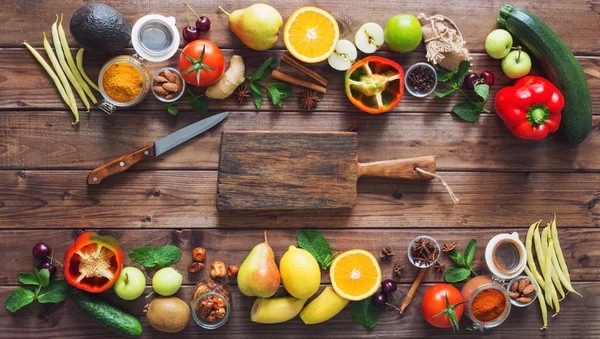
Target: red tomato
210, 67
434, 302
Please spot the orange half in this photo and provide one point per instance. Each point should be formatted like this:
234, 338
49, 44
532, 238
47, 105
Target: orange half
311, 34
355, 275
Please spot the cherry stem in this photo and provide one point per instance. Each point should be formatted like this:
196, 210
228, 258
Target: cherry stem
187, 13
519, 56
52, 260
126, 278
193, 11
392, 306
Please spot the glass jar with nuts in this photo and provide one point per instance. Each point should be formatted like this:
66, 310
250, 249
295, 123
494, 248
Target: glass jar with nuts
522, 291
211, 304
168, 84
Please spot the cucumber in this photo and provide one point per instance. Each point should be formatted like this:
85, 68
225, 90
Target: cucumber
108, 315
561, 66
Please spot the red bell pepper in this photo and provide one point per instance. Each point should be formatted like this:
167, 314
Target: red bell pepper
531, 108
93, 262
375, 84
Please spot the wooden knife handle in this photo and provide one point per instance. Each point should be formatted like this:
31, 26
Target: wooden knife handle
399, 168
120, 164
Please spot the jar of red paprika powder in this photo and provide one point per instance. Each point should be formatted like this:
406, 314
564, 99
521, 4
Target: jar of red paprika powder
489, 306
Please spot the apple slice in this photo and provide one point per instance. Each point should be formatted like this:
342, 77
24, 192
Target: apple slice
344, 55
369, 37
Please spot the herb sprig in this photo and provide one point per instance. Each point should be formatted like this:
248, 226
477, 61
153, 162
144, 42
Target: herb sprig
46, 291
468, 110
149, 256
458, 274
365, 313
276, 91
314, 242
198, 102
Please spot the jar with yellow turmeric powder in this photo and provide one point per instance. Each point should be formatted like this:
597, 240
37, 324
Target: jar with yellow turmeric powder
124, 82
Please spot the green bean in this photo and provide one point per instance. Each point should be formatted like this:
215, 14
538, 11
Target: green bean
79, 60
561, 275
558, 250
72, 66
530, 260
65, 67
547, 269
63, 79
549, 256
542, 258
50, 72
540, 297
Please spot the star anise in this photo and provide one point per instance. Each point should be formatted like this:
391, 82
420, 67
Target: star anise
397, 269
440, 267
386, 254
242, 93
449, 247
309, 99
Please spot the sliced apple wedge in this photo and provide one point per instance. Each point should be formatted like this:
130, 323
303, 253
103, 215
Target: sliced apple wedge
344, 55
369, 38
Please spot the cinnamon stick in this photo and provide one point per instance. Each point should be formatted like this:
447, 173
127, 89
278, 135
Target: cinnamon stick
295, 81
302, 68
413, 289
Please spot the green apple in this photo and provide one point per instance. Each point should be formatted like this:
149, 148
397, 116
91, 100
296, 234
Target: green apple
167, 281
498, 43
403, 33
516, 64
130, 284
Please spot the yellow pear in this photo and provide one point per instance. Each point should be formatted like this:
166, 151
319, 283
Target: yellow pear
258, 275
257, 25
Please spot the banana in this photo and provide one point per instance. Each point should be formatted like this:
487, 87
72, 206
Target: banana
326, 306
275, 310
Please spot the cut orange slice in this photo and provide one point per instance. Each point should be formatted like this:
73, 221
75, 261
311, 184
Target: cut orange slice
311, 34
355, 275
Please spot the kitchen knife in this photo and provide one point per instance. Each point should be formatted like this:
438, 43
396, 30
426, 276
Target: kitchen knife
153, 149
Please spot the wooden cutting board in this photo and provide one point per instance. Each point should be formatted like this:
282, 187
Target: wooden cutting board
261, 170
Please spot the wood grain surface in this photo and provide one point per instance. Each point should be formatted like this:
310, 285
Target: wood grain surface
504, 183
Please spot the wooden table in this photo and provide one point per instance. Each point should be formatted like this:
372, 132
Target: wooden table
504, 183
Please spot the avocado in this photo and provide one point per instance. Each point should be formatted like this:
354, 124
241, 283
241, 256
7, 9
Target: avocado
100, 28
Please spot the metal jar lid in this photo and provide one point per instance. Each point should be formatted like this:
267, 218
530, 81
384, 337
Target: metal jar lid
155, 37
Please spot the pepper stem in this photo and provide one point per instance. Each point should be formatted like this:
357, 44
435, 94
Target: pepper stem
538, 115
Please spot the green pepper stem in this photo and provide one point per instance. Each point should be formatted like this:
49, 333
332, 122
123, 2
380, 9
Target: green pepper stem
538, 115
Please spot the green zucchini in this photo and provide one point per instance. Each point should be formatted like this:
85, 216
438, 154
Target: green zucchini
108, 315
561, 66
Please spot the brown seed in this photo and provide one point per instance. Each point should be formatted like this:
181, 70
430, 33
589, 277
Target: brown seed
160, 79
199, 254
160, 90
170, 76
232, 270
178, 81
523, 300
529, 289
218, 270
170, 87
195, 267
522, 284
514, 295
514, 286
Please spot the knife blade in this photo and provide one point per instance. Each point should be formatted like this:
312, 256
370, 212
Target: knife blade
154, 149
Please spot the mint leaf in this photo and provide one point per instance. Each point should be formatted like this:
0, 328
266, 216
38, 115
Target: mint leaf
256, 94
172, 109
200, 105
467, 111
43, 276
461, 72
365, 313
265, 69
167, 255
446, 92
456, 274
314, 242
28, 278
19, 298
278, 91
143, 255
56, 291
457, 257
444, 76
483, 91
470, 253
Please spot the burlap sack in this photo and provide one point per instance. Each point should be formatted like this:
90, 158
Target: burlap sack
443, 41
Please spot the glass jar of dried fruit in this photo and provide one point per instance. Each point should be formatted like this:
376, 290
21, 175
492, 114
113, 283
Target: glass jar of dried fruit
211, 304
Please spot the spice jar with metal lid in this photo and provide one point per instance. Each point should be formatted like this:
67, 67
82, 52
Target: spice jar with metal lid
211, 304
488, 306
124, 80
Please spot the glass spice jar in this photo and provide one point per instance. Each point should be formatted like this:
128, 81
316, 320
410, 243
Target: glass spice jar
482, 324
109, 104
420, 79
211, 304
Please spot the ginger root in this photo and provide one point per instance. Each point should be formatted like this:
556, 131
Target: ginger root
229, 81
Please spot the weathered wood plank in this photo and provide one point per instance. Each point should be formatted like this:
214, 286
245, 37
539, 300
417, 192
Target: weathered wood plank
232, 246
30, 140
578, 318
20, 73
25, 21
183, 199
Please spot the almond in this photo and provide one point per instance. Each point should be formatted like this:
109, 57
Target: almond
514, 286
169, 96
514, 295
178, 81
522, 283
160, 90
529, 289
170, 76
523, 300
171, 87
160, 79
